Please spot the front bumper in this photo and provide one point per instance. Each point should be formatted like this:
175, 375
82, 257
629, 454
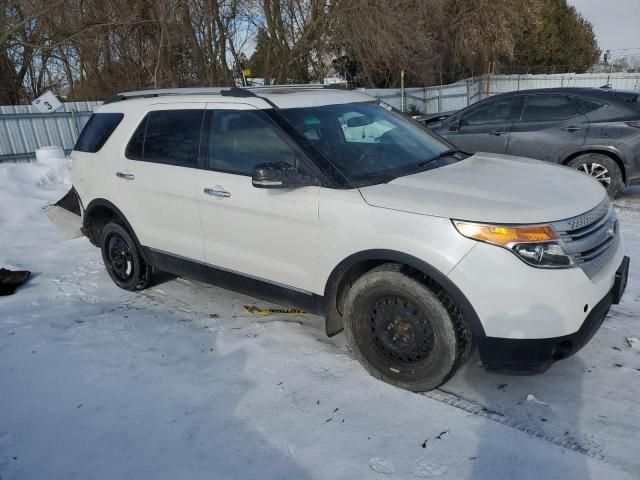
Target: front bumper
529, 356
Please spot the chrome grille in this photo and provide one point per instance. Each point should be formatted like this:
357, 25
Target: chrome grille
592, 238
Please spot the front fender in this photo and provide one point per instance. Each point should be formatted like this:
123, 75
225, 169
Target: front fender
334, 321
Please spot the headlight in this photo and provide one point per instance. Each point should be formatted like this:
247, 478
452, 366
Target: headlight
537, 245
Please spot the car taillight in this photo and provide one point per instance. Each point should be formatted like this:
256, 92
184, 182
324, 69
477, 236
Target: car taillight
634, 123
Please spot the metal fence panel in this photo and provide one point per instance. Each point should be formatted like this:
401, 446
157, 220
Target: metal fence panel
509, 83
461, 94
23, 129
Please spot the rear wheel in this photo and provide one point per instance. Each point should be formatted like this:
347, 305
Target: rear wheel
403, 332
122, 258
602, 168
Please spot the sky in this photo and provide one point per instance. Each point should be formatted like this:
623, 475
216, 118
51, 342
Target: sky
615, 23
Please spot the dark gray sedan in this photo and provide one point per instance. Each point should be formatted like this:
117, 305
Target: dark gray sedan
595, 130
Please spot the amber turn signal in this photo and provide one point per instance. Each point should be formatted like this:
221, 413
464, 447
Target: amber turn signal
505, 235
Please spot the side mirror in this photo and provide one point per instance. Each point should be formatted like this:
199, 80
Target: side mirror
280, 175
454, 126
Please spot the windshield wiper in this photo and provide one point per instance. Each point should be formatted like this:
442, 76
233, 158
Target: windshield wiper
446, 153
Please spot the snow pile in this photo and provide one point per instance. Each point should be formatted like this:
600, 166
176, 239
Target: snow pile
41, 173
26, 187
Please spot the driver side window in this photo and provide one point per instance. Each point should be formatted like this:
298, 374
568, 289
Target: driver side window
498, 111
242, 139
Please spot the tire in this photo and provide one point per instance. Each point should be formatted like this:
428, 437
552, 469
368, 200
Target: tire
602, 168
122, 258
403, 332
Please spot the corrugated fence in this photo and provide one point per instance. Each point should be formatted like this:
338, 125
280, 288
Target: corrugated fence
458, 95
23, 130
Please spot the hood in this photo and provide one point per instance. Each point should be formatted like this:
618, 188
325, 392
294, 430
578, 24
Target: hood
491, 188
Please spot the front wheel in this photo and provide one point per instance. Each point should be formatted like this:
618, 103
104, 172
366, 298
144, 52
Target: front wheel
403, 332
122, 258
602, 168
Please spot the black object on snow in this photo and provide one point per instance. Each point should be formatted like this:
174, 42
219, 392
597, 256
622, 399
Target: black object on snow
9, 280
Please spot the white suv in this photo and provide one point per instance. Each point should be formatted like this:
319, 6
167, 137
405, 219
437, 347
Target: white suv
328, 201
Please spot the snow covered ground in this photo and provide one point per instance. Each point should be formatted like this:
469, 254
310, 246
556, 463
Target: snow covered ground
181, 382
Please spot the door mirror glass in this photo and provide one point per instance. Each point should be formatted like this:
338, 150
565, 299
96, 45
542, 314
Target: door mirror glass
280, 175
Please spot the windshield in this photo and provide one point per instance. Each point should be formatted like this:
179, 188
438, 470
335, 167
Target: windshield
367, 142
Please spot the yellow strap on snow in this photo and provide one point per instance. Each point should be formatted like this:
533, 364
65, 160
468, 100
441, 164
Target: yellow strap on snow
273, 311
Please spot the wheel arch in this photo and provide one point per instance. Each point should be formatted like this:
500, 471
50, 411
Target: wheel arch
610, 152
98, 213
357, 264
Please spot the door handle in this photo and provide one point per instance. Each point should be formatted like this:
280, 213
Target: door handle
217, 193
571, 128
497, 133
125, 175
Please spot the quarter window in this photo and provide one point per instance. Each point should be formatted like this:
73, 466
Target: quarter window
548, 108
97, 131
242, 139
496, 111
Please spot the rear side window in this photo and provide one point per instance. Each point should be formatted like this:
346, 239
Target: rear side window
586, 105
547, 108
168, 136
242, 139
97, 131
496, 111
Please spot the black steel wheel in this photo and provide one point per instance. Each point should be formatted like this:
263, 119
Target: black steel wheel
400, 330
403, 332
122, 258
603, 169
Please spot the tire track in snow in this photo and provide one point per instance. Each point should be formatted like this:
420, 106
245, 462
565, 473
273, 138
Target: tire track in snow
480, 410
440, 395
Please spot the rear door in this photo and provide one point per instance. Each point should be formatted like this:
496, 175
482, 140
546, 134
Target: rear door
485, 128
550, 128
269, 234
157, 174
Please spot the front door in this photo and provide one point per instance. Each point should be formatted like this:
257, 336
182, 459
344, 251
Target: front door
485, 128
269, 234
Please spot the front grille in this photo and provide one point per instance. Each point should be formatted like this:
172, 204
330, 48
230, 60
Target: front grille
592, 238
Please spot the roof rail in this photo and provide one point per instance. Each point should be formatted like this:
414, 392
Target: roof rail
308, 86
163, 91
224, 91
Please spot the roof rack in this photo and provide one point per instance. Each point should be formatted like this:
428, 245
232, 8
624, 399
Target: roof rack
223, 91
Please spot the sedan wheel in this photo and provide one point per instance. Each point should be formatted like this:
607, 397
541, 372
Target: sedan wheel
602, 168
597, 171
